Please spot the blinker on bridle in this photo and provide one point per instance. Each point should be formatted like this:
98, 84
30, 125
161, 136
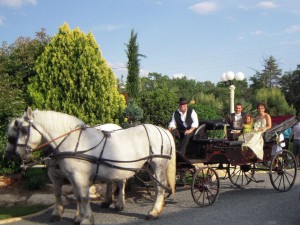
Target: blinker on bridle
28, 149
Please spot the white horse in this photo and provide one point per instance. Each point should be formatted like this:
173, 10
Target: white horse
83, 154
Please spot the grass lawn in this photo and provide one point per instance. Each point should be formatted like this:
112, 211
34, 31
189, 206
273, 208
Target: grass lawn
17, 211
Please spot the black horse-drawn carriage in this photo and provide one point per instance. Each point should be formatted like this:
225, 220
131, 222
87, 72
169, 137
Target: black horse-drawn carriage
212, 151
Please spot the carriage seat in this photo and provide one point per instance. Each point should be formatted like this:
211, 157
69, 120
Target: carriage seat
234, 143
210, 140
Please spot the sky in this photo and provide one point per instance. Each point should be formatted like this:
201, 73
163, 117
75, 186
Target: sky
197, 39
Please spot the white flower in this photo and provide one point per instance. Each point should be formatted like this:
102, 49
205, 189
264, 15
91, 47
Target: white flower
257, 125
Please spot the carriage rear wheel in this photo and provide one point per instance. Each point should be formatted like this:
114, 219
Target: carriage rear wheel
283, 171
205, 186
241, 175
146, 180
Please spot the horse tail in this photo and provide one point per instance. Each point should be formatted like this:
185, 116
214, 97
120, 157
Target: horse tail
171, 169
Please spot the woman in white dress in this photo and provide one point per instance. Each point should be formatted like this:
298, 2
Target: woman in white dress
254, 143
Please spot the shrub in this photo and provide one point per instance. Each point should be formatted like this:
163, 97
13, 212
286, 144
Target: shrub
35, 179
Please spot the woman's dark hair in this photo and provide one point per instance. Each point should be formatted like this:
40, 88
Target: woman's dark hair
261, 104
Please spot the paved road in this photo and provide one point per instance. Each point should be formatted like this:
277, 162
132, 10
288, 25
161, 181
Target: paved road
256, 204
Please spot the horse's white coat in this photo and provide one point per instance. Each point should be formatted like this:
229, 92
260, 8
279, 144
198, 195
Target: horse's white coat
121, 145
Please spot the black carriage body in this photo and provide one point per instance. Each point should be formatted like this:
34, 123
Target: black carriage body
209, 147
216, 152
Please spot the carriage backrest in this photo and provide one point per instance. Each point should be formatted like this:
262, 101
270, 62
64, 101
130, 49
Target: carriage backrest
208, 128
200, 132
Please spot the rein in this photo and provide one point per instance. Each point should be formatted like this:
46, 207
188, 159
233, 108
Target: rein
93, 159
98, 160
49, 142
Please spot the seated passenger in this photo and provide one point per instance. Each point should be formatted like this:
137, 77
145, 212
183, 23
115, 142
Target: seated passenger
254, 143
235, 121
248, 124
183, 123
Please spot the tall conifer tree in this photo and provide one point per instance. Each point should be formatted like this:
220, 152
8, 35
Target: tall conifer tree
133, 83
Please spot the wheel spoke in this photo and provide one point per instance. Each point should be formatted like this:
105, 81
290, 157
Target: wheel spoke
241, 176
205, 186
201, 193
286, 177
283, 177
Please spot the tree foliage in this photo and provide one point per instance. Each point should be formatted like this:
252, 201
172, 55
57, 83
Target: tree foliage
17, 63
158, 98
210, 100
206, 111
270, 75
289, 84
275, 102
133, 114
185, 87
133, 66
74, 78
22, 56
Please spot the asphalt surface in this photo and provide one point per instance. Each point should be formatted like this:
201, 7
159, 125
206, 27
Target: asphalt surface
255, 204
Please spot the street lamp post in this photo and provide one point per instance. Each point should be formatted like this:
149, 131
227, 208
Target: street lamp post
230, 76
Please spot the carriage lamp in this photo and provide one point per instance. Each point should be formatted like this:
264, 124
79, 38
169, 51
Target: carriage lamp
230, 76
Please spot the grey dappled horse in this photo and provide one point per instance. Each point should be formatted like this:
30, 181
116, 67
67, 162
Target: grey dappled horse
83, 154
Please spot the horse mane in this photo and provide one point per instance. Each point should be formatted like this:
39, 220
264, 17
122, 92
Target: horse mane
50, 120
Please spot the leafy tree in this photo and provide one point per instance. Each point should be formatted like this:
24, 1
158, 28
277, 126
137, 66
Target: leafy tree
206, 111
290, 83
10, 105
206, 87
185, 87
209, 99
133, 66
133, 114
73, 77
11, 101
155, 80
159, 105
17, 63
269, 77
158, 99
275, 102
22, 55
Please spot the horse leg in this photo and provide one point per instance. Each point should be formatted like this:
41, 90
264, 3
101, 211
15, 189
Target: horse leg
57, 181
108, 199
77, 217
84, 214
120, 204
159, 202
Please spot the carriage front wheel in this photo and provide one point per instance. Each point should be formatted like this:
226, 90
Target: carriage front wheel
283, 171
205, 186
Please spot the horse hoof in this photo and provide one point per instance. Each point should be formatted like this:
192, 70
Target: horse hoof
55, 218
151, 217
118, 208
104, 205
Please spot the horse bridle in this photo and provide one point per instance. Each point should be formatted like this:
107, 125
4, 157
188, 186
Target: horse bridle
65, 135
13, 140
28, 148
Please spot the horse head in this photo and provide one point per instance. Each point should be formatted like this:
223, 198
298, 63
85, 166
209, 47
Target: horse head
24, 135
